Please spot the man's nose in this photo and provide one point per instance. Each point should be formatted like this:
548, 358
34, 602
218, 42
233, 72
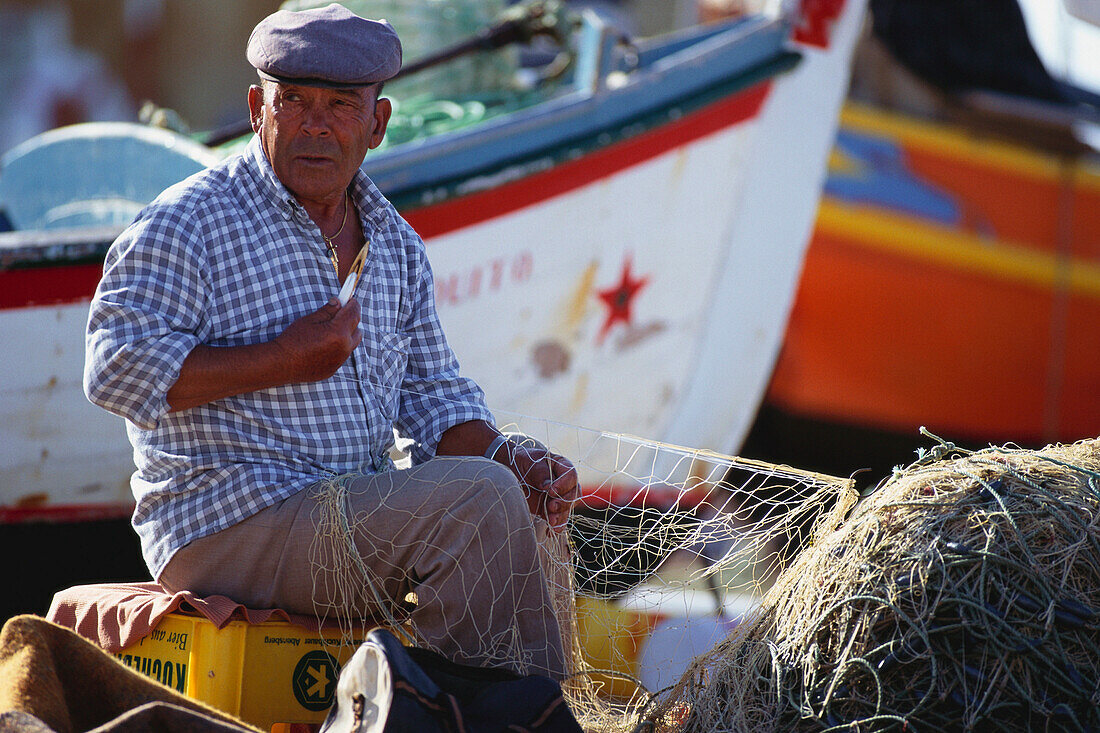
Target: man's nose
316, 120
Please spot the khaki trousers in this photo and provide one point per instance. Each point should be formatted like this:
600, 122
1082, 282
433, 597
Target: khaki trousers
454, 531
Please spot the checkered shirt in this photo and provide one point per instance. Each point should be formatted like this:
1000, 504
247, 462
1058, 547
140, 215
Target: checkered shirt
228, 257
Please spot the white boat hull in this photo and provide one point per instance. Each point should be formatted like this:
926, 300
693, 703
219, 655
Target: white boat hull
648, 296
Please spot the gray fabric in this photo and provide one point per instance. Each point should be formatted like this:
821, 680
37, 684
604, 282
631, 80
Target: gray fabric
16, 721
328, 46
456, 531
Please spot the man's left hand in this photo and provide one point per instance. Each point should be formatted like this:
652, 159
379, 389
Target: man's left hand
548, 480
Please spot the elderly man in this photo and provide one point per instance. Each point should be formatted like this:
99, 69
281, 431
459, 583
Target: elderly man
246, 385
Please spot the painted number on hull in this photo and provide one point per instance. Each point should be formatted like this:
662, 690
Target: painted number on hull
456, 288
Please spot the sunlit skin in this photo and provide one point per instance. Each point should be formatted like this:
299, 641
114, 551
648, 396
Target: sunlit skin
315, 139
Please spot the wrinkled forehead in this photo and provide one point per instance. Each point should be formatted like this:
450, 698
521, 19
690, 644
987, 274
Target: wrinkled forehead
366, 92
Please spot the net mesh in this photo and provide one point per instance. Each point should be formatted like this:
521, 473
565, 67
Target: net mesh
668, 551
960, 595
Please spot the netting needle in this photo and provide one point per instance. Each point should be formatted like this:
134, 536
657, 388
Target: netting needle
356, 271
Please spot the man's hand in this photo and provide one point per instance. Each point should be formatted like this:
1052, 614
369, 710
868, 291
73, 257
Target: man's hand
311, 348
316, 344
548, 480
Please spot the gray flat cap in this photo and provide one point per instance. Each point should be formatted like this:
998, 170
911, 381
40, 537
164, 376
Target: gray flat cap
328, 47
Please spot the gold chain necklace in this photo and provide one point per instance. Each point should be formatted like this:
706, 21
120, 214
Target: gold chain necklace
328, 240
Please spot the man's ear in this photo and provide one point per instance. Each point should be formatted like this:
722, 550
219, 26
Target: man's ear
256, 106
382, 111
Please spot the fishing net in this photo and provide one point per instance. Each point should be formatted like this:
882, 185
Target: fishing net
668, 550
470, 88
961, 595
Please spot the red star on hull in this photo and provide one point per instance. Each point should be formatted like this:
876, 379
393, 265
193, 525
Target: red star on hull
619, 299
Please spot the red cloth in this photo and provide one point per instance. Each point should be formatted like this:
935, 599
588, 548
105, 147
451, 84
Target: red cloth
115, 615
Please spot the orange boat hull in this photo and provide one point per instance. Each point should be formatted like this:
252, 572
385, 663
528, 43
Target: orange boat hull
952, 281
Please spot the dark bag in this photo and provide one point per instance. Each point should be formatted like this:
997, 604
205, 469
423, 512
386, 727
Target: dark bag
388, 688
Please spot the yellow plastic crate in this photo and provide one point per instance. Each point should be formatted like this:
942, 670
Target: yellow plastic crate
265, 674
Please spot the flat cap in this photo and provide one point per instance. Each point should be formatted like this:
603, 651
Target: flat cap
328, 47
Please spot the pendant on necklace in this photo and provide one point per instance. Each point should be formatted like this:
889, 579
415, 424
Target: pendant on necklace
330, 244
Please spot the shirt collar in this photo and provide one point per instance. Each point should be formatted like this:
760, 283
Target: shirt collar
371, 203
271, 188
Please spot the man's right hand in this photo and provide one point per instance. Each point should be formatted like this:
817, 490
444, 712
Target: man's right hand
311, 348
317, 344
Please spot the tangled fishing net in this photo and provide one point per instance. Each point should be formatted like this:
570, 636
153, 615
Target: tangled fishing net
669, 548
963, 594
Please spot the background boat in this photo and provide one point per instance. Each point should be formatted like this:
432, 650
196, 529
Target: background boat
620, 254
951, 280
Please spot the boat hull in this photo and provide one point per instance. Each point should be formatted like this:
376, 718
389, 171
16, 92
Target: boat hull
635, 276
951, 282
580, 328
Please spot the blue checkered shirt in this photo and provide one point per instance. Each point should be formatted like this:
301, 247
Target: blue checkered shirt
228, 257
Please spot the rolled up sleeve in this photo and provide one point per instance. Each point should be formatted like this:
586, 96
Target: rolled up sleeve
146, 315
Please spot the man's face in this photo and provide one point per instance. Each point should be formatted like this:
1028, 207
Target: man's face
316, 138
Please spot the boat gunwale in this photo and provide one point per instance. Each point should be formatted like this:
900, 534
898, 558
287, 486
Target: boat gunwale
412, 201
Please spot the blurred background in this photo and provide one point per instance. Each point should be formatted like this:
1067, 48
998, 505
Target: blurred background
953, 277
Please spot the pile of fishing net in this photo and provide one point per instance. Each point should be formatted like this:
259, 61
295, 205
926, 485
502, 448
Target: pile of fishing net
963, 594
